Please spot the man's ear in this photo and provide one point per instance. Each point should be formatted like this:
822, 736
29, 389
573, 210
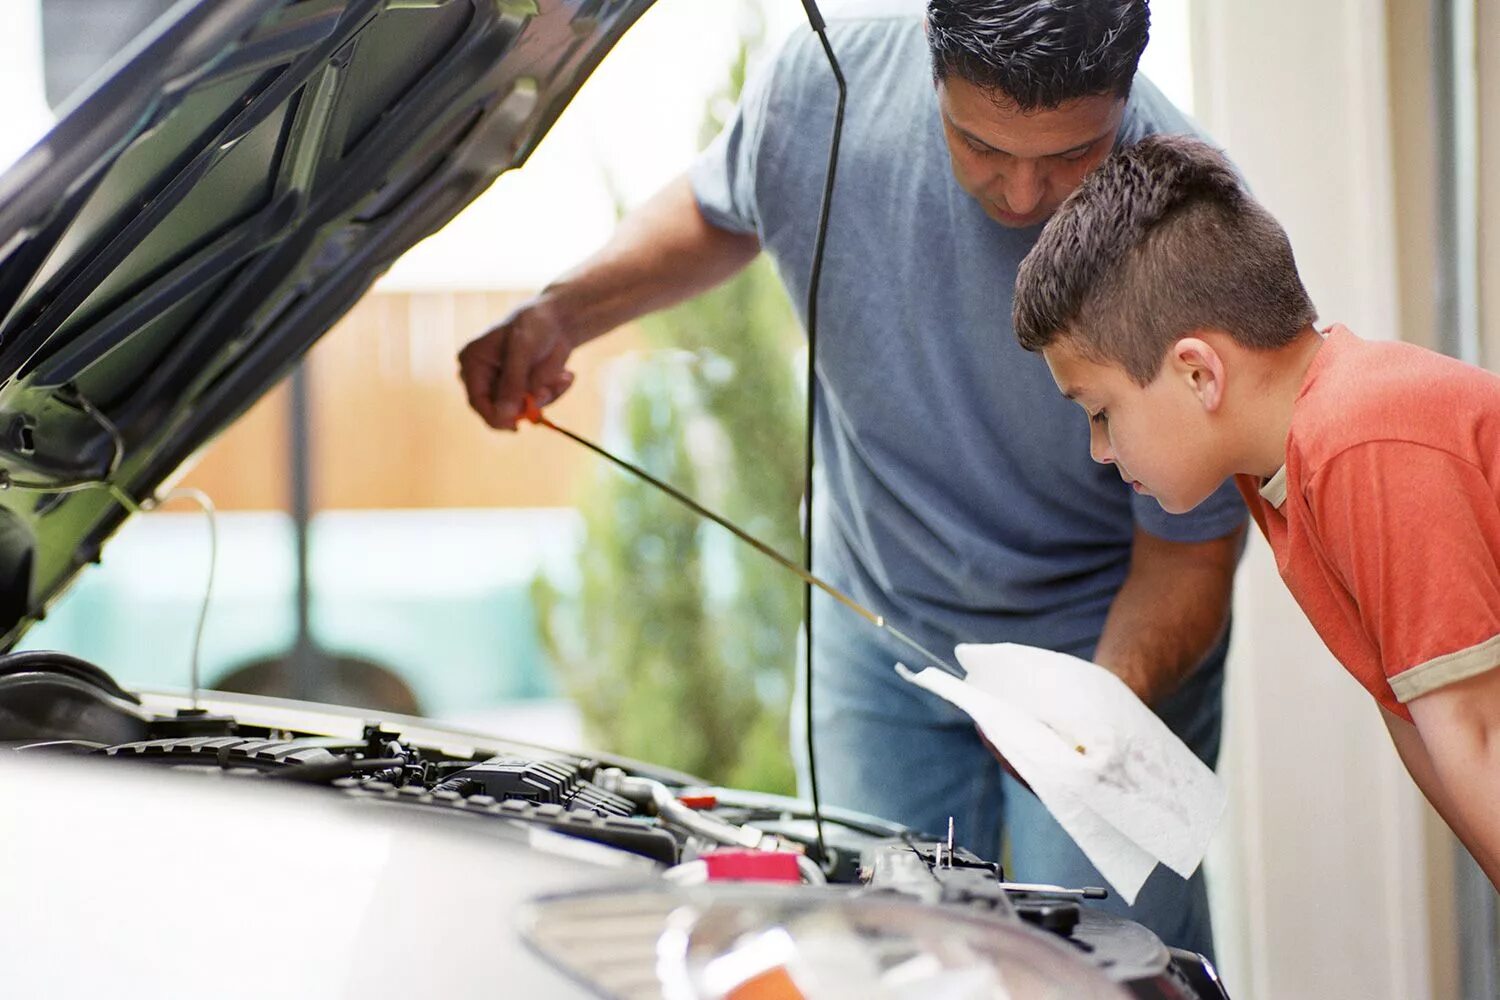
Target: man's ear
1200, 367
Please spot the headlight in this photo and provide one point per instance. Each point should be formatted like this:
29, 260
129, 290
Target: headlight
748, 942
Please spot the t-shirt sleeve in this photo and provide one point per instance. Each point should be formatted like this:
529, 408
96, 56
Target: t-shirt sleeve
723, 175
1415, 533
1150, 112
1223, 512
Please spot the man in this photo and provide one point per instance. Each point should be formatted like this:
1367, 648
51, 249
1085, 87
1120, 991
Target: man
955, 493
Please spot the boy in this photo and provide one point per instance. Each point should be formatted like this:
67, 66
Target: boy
1167, 304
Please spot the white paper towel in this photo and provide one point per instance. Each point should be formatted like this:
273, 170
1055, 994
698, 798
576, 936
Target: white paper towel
1136, 795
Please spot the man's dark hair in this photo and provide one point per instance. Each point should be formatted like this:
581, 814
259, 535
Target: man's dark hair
1039, 53
1159, 241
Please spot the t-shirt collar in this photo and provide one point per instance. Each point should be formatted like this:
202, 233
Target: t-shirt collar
1274, 489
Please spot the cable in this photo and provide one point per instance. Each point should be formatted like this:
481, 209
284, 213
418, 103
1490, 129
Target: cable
150, 505
145, 506
819, 27
79, 485
205, 502
326, 771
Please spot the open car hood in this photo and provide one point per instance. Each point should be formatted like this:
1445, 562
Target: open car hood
222, 196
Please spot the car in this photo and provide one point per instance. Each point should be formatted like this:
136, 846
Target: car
167, 253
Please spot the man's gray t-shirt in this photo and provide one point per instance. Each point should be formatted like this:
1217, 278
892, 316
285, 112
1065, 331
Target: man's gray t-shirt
958, 496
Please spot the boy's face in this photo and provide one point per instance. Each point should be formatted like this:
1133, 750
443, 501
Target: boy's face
1155, 436
1020, 166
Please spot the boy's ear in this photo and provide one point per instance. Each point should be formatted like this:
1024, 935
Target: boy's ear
1200, 367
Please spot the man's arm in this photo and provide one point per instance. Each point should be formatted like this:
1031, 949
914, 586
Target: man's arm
1169, 613
661, 253
1453, 754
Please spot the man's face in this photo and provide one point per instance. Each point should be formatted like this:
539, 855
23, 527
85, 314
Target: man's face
1155, 436
1021, 165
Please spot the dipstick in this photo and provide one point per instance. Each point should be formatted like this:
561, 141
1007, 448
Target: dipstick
534, 414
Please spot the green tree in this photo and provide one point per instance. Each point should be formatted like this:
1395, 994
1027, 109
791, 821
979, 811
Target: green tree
679, 644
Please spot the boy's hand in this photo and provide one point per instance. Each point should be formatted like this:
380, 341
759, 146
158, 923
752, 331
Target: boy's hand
1004, 764
525, 354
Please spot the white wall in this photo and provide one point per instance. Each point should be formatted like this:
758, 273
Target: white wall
1321, 890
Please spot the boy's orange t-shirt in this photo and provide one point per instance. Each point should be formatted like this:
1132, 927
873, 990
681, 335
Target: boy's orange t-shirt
1385, 520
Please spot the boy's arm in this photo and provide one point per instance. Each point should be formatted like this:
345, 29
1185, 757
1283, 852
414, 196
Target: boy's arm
1413, 532
1408, 743
1453, 754
1171, 609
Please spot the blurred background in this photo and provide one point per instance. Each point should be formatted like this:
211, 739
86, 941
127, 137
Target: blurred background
379, 547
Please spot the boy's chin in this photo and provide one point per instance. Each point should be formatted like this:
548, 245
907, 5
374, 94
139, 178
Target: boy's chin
1176, 505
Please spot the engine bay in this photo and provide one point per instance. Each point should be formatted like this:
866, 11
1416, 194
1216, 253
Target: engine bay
55, 705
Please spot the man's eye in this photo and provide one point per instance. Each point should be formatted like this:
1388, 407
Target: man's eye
977, 146
1075, 155
1101, 418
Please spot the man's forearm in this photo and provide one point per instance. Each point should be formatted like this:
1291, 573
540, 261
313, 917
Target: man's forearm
1171, 610
663, 252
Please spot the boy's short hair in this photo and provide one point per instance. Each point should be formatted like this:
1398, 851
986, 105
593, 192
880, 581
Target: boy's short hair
1039, 53
1159, 241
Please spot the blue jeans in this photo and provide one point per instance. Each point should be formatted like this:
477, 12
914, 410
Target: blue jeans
888, 748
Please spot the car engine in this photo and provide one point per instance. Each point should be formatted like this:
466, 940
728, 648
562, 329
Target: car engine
53, 704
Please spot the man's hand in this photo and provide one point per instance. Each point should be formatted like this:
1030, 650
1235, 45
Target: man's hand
662, 253
526, 354
1171, 610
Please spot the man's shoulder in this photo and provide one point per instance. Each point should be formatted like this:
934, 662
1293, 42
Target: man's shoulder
1148, 111
890, 15
862, 34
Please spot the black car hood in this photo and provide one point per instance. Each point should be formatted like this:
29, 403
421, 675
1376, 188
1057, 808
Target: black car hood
225, 193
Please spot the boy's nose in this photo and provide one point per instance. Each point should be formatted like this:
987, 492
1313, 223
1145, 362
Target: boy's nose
1099, 449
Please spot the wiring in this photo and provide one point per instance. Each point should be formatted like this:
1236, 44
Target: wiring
145, 506
819, 27
77, 486
206, 504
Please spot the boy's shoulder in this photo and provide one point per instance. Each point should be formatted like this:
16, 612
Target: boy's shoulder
1361, 392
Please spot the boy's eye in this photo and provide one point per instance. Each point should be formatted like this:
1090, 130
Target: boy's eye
1101, 418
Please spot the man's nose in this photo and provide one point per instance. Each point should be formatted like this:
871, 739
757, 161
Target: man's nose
1023, 186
